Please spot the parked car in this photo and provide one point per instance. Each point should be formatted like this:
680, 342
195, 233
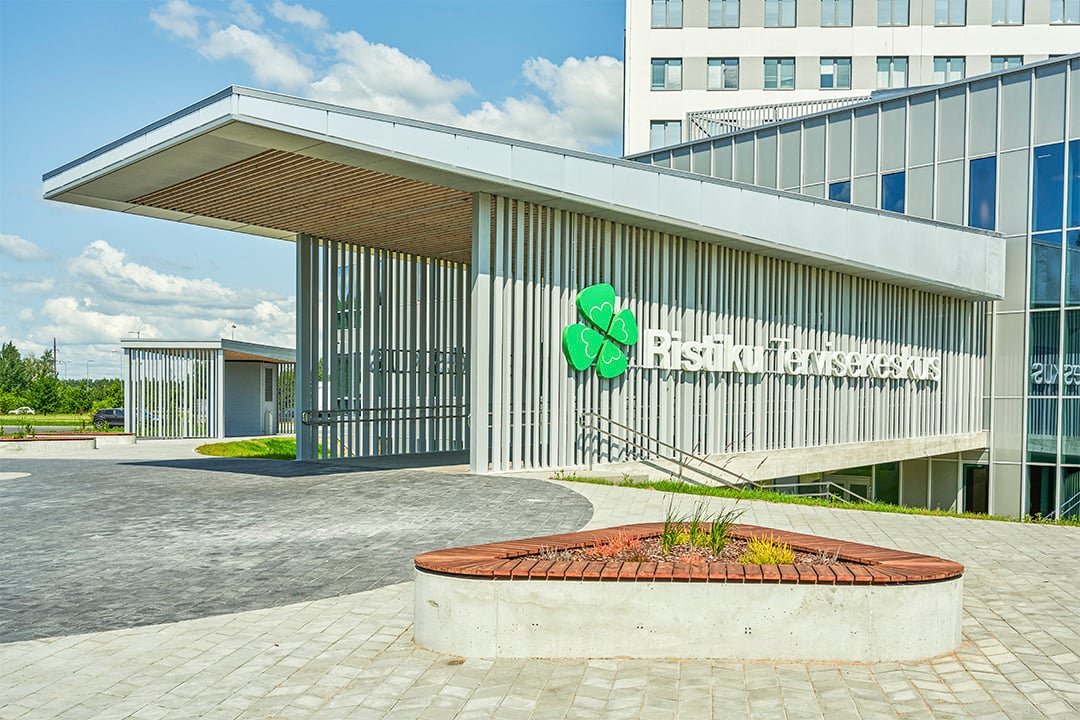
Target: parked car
109, 417
23, 411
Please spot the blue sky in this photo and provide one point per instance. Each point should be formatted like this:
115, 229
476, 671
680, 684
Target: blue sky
76, 75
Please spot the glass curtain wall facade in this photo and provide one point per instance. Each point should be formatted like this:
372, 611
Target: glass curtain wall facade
999, 152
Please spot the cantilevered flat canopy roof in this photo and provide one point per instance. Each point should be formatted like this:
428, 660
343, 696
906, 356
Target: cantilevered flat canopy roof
277, 166
234, 349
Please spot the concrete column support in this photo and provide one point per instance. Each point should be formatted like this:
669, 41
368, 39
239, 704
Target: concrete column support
305, 370
480, 335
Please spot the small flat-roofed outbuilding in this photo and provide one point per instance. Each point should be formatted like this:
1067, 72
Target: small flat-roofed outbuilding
207, 388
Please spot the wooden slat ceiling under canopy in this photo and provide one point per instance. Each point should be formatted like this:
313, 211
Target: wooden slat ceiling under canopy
301, 194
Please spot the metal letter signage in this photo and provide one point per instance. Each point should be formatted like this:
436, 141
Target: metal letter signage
718, 353
598, 342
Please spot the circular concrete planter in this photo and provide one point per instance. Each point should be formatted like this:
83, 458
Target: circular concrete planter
873, 605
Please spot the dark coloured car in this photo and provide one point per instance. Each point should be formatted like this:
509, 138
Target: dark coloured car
109, 417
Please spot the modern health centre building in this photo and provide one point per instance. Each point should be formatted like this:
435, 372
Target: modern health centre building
1000, 152
528, 304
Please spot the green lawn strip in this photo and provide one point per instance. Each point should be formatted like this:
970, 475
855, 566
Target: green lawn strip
272, 448
675, 486
45, 420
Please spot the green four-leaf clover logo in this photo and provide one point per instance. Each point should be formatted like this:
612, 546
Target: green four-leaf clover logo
598, 341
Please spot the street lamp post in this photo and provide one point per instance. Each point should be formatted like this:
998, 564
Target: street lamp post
88, 368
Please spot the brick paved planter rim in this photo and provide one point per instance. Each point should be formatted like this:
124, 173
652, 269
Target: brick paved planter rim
858, 564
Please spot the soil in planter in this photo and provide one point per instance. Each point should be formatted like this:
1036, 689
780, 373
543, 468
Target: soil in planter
649, 550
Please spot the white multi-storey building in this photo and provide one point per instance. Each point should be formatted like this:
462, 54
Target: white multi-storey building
691, 63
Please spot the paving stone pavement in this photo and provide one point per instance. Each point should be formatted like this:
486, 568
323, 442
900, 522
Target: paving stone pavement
352, 656
92, 544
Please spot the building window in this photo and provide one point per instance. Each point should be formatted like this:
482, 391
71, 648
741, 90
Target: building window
1005, 62
892, 72
779, 13
893, 186
1065, 11
836, 73
664, 132
892, 12
667, 13
947, 69
667, 74
1073, 192
723, 74
723, 13
950, 12
835, 13
779, 73
1007, 12
982, 195
840, 191
1048, 188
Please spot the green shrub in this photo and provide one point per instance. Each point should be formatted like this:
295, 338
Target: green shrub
767, 550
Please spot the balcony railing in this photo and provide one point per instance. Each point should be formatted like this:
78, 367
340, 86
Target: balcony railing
710, 123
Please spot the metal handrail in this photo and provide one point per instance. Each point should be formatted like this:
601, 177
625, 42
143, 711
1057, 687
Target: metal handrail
846, 495
829, 484
332, 417
1069, 505
714, 123
680, 453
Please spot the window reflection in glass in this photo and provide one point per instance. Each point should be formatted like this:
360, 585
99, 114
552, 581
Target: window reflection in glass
1043, 365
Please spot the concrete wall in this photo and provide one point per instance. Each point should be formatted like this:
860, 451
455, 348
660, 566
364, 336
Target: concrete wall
501, 618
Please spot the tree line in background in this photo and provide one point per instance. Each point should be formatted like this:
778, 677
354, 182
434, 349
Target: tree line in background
31, 381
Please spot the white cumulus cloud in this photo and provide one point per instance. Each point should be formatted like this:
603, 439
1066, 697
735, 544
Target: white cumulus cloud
20, 248
270, 62
178, 17
70, 321
298, 15
245, 15
378, 77
575, 103
113, 275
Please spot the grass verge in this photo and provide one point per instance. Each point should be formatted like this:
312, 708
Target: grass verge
271, 448
46, 420
676, 486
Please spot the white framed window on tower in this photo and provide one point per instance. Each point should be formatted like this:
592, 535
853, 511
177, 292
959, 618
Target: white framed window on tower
1007, 12
892, 13
835, 13
779, 73
667, 13
666, 74
779, 13
947, 69
724, 13
835, 73
664, 132
723, 74
950, 12
1064, 12
892, 72
1005, 62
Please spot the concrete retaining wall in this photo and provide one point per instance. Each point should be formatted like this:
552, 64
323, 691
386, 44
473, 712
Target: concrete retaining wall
519, 619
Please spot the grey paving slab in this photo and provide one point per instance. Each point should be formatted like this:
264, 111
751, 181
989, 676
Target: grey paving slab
91, 544
352, 656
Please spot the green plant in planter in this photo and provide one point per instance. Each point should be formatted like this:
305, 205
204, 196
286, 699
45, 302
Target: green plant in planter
767, 550
697, 529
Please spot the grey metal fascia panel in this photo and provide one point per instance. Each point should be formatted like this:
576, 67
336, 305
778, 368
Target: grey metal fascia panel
638, 199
